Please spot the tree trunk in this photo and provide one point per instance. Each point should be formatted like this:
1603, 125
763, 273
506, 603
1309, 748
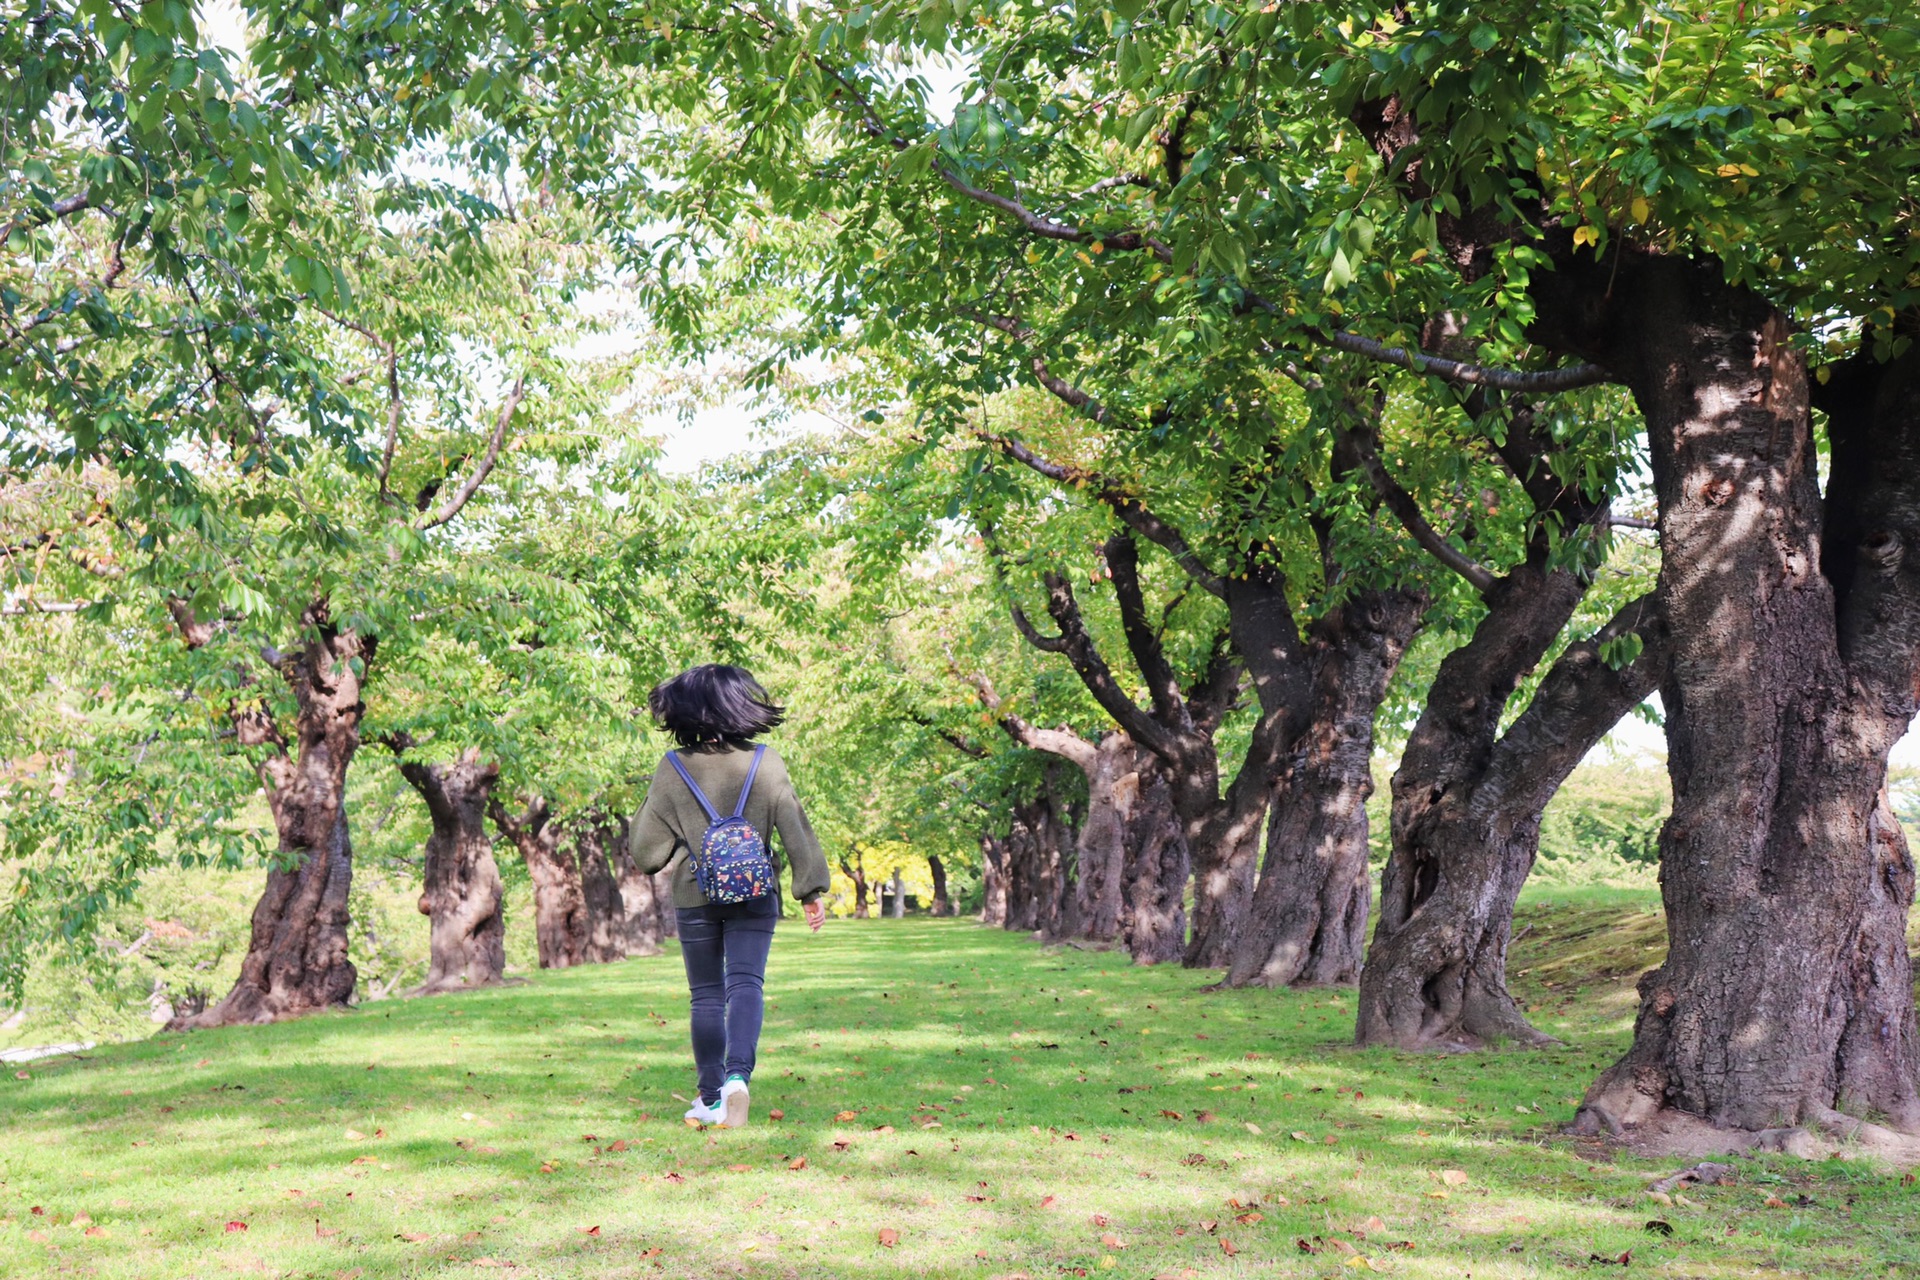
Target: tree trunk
1154, 920
296, 959
899, 904
942, 904
856, 871
1467, 810
1053, 838
461, 898
1785, 997
993, 880
592, 833
560, 922
1308, 921
1023, 861
646, 904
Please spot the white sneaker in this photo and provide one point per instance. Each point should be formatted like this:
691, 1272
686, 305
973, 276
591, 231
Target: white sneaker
733, 1101
705, 1114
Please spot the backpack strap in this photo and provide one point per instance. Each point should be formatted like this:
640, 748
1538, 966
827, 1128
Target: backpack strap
753, 771
713, 815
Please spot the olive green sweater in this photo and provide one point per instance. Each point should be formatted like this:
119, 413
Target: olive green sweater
671, 822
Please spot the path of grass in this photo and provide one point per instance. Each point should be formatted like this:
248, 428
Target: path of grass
1013, 1111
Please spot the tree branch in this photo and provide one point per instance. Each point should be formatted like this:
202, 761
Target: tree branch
1407, 511
452, 506
1094, 672
1123, 563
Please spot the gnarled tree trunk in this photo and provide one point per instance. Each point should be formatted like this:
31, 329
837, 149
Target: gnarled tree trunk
993, 880
646, 903
593, 833
942, 905
560, 922
296, 959
1154, 916
1467, 811
1308, 922
854, 869
1785, 998
461, 897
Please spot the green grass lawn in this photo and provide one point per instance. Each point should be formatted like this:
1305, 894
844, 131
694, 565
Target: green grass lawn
956, 1102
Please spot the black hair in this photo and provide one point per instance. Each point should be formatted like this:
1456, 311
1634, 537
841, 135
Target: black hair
713, 706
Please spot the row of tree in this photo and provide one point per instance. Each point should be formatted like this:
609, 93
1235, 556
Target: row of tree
1335, 349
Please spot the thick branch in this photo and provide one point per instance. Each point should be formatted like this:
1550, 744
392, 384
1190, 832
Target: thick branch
65, 207
1407, 511
1123, 563
1123, 504
1094, 672
451, 508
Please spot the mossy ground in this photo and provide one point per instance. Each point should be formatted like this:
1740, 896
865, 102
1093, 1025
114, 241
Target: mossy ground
1013, 1111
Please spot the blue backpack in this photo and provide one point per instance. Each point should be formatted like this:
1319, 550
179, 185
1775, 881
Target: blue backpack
732, 863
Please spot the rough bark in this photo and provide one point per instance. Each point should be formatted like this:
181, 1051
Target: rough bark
1154, 915
1467, 811
646, 902
897, 906
1307, 923
993, 881
942, 905
593, 835
1785, 998
1022, 846
296, 959
462, 894
561, 926
855, 870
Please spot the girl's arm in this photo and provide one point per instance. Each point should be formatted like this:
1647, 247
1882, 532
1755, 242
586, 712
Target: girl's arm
650, 841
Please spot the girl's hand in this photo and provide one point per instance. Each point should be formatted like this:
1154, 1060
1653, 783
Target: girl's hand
816, 914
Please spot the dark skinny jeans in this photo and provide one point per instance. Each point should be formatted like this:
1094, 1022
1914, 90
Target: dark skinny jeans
725, 950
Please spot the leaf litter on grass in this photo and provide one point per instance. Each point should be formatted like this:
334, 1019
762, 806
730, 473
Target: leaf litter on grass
975, 1186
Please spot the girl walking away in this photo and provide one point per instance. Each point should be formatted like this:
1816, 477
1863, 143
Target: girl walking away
712, 806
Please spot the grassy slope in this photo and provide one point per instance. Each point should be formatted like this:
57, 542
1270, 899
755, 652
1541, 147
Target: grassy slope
486, 1102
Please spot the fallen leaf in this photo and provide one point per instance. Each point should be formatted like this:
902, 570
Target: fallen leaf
323, 1233
1253, 1128
1204, 1117
38, 1212
885, 1128
545, 1168
889, 1237
592, 1231
797, 1163
1248, 1219
776, 1114
1299, 1136
841, 1145
413, 1237
1660, 1197
96, 1231
1100, 1220
1625, 1259
1113, 1241
38, 1237
354, 1135
23, 1075
672, 1177
1227, 1247
1343, 1246
1305, 1245
1436, 1195
740, 1168
1372, 1224
845, 1116
1207, 1225
1775, 1202
204, 1062
1046, 1201
236, 1225
1454, 1177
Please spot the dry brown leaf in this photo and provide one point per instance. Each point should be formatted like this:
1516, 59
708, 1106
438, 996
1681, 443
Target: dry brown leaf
1253, 1128
1300, 1136
1112, 1241
618, 1144
1248, 1219
236, 1225
354, 1135
1207, 1225
413, 1237
1170, 1115
1100, 1220
845, 1116
776, 1114
1342, 1246
38, 1237
1454, 1177
797, 1163
1227, 1247
1372, 1224
740, 1168
1775, 1202
1046, 1201
889, 1237
591, 1231
885, 1128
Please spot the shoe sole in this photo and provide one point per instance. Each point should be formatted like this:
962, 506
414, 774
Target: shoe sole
736, 1117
